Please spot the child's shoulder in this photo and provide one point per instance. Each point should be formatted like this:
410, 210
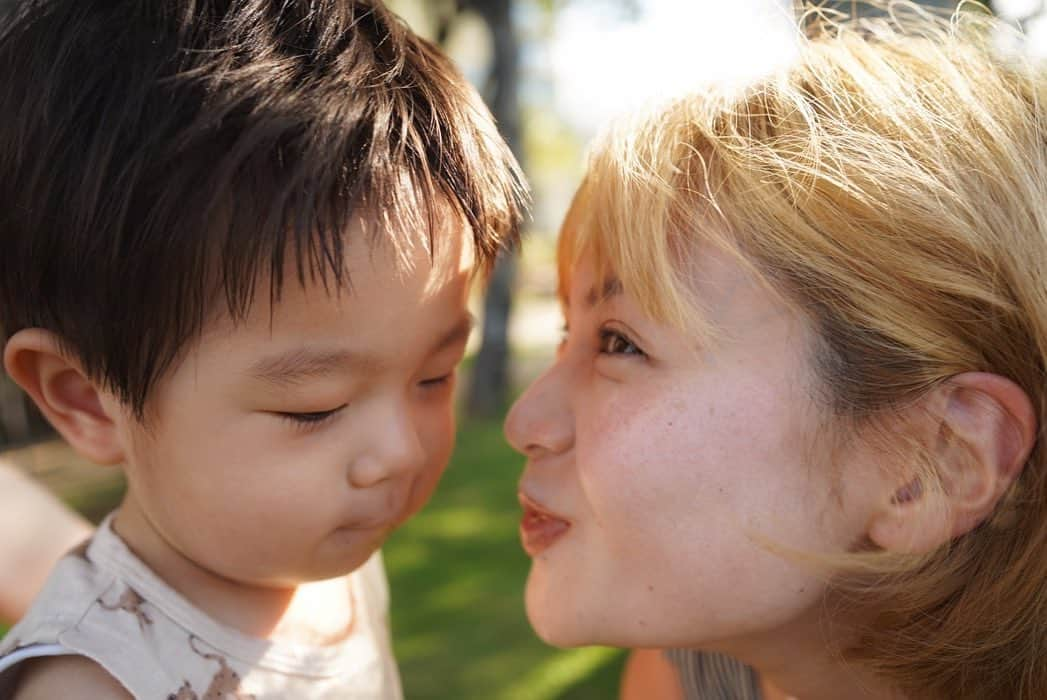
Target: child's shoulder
70, 590
33, 662
69, 676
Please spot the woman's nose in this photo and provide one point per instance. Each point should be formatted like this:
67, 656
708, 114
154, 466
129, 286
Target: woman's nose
541, 421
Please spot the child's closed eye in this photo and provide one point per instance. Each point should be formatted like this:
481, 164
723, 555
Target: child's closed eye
309, 418
437, 381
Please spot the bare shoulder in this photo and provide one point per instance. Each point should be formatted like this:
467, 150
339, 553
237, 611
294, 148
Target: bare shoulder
72, 677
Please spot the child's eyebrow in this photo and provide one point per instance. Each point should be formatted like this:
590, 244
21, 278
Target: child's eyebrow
457, 334
302, 364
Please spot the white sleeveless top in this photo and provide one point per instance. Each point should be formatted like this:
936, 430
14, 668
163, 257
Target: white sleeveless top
104, 603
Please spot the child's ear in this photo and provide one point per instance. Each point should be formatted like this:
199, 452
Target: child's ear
980, 430
74, 404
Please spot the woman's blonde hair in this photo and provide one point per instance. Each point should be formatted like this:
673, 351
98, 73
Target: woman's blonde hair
892, 184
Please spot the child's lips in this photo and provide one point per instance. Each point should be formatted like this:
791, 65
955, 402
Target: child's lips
358, 525
540, 528
394, 509
383, 521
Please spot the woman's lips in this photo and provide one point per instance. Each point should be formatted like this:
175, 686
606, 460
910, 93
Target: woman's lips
539, 528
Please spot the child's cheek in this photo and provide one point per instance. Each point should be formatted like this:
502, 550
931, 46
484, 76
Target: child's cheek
439, 445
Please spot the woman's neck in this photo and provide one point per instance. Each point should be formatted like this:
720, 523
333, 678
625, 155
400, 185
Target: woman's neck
814, 682
803, 662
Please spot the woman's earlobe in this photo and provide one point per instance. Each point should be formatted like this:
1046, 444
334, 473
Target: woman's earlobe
984, 427
72, 402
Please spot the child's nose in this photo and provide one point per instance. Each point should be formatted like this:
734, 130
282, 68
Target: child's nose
396, 449
541, 421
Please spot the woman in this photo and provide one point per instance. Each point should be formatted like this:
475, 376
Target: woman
794, 420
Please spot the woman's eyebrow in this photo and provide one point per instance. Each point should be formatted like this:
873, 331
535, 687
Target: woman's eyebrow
610, 287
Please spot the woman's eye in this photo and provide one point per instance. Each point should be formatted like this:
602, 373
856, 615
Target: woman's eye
613, 342
310, 418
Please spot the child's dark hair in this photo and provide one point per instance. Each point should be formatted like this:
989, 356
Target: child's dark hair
161, 157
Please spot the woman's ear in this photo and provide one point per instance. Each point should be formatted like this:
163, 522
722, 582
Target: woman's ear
979, 431
78, 409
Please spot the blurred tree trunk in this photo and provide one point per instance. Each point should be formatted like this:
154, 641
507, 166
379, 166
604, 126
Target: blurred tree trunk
489, 388
20, 422
13, 423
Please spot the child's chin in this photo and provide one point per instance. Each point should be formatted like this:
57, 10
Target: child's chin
358, 559
345, 559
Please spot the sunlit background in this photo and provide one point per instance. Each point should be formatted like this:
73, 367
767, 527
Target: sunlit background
564, 68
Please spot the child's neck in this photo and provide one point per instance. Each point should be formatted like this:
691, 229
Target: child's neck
315, 613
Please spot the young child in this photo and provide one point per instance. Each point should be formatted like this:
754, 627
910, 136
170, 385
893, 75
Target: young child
795, 427
238, 237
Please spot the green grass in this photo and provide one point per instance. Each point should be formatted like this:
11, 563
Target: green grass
457, 574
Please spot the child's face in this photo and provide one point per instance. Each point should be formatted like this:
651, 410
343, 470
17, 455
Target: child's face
287, 447
652, 461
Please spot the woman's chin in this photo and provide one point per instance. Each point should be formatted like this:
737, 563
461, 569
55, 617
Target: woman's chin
559, 633
554, 618
573, 616
561, 619
564, 630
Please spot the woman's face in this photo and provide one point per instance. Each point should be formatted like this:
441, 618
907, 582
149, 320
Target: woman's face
655, 465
